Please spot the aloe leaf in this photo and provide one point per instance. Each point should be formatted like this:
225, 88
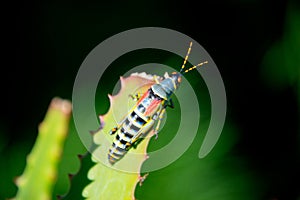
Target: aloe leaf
70, 166
38, 178
78, 180
118, 181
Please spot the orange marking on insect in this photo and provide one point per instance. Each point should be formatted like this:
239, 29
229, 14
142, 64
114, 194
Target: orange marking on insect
152, 106
143, 97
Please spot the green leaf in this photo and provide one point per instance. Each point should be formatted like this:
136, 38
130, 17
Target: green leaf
118, 181
70, 165
36, 183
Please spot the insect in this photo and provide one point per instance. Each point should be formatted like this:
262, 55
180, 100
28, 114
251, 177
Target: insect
148, 110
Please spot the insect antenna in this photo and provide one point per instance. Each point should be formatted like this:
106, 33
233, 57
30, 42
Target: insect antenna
194, 67
186, 57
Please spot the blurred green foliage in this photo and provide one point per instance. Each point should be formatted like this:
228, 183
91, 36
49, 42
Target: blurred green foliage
281, 66
70, 163
68, 166
40, 173
221, 175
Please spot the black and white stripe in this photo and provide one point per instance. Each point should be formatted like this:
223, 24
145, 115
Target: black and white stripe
131, 126
120, 144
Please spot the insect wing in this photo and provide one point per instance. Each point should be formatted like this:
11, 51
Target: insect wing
153, 106
145, 95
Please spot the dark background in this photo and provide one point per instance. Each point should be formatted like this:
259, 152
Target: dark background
45, 43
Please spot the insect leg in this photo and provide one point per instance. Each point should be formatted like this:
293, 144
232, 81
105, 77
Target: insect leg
142, 179
160, 117
171, 104
135, 143
114, 130
136, 97
155, 79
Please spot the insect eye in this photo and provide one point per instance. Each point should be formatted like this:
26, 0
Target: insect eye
179, 79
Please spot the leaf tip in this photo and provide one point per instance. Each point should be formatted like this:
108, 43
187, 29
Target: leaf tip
17, 180
146, 156
61, 104
122, 80
70, 176
79, 156
93, 132
110, 97
102, 123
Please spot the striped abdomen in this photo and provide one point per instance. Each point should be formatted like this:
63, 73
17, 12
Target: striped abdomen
137, 123
123, 139
119, 146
